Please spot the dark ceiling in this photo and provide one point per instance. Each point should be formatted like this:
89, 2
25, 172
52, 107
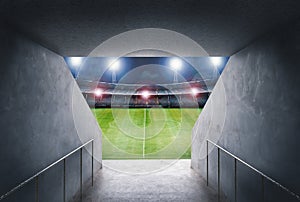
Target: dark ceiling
75, 28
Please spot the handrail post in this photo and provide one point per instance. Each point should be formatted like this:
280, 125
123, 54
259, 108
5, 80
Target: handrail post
263, 187
64, 180
92, 163
80, 174
235, 180
219, 186
37, 188
207, 162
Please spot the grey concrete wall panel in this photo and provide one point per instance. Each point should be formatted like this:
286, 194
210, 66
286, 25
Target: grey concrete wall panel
36, 119
257, 96
73, 176
51, 184
227, 175
85, 123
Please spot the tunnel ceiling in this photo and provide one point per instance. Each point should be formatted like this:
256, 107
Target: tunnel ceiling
75, 28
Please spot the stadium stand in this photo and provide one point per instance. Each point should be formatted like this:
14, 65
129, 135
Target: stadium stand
176, 95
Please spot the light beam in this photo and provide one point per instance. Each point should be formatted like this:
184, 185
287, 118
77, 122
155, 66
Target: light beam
194, 91
176, 63
76, 61
98, 92
145, 94
216, 61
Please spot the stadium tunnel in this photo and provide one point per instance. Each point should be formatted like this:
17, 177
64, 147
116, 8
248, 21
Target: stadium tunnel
252, 113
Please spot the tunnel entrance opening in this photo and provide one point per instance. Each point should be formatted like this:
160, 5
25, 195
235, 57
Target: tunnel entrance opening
146, 106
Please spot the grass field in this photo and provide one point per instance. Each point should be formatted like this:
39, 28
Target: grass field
153, 133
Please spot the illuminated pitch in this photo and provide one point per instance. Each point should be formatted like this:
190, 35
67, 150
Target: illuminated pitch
146, 133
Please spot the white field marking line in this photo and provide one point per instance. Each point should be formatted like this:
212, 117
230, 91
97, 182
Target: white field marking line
144, 141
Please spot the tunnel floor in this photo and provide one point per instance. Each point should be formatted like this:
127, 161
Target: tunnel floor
177, 182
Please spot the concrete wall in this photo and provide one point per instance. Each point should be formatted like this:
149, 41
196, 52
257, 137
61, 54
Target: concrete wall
43, 116
254, 113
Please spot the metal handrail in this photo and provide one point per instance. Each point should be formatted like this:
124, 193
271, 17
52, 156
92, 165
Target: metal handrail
36, 176
263, 176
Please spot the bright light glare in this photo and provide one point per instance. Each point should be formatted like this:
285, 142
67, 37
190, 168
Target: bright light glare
194, 91
114, 65
98, 92
76, 61
216, 60
176, 63
145, 94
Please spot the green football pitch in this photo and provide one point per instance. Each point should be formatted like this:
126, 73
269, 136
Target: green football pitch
152, 133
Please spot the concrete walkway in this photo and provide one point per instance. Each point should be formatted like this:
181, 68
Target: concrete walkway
175, 183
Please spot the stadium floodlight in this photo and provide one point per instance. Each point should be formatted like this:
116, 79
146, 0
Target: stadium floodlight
76, 61
216, 60
194, 91
176, 63
114, 65
145, 94
98, 92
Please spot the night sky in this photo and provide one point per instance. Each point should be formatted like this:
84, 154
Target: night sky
148, 68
